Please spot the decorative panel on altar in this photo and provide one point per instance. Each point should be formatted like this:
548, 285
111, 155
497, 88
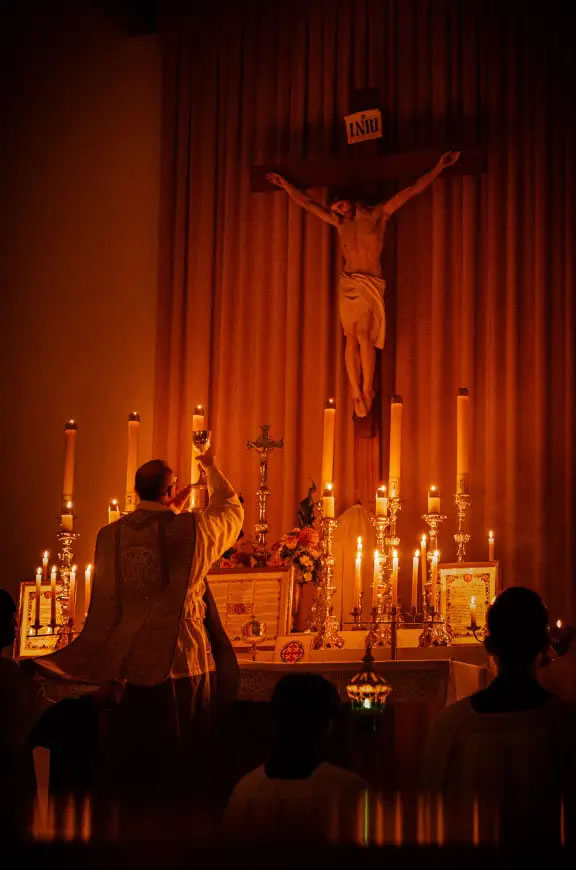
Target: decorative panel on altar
32, 642
246, 594
470, 587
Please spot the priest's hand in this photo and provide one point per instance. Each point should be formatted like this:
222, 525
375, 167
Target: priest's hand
448, 159
180, 499
206, 459
276, 179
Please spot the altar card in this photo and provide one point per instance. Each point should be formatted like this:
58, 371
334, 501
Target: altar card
30, 642
261, 594
470, 587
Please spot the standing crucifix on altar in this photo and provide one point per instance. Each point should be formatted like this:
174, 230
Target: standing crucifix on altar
361, 229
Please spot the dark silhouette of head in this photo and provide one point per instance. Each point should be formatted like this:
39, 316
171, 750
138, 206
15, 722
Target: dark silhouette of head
153, 481
8, 619
304, 706
517, 629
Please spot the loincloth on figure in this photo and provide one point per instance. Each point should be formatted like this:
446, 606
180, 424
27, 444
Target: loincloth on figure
359, 295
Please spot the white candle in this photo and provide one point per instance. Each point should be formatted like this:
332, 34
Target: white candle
67, 518
87, 588
415, 569
328, 441
395, 578
433, 501
424, 568
381, 502
113, 511
70, 430
45, 557
376, 579
462, 441
358, 574
434, 584
473, 612
443, 597
198, 424
328, 501
38, 595
72, 595
132, 460
490, 546
53, 578
395, 447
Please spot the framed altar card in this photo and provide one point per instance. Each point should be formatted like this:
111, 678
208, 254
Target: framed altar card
470, 587
29, 641
244, 594
292, 649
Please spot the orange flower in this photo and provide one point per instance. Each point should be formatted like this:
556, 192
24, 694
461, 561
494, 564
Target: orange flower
308, 537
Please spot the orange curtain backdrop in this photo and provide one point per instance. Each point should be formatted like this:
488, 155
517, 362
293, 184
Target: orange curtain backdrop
481, 281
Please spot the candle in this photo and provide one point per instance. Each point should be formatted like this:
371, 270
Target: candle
328, 441
358, 575
45, 557
558, 623
443, 597
72, 595
433, 501
328, 501
70, 430
132, 460
462, 441
415, 569
490, 546
113, 511
38, 595
376, 579
394, 578
53, 578
381, 502
67, 518
395, 447
198, 424
434, 580
424, 568
473, 612
87, 588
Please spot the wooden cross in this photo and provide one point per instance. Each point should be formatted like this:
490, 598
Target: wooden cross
370, 166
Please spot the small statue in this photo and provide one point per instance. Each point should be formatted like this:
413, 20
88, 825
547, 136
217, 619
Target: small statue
305, 516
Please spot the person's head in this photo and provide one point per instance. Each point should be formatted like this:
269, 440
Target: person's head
8, 619
517, 625
341, 204
304, 706
154, 481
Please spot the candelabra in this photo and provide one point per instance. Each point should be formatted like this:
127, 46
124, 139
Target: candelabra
380, 631
326, 622
435, 631
462, 502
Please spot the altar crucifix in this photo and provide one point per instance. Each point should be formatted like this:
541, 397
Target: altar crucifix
263, 446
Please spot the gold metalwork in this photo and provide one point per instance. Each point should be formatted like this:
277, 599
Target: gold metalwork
380, 633
462, 502
263, 446
367, 690
326, 622
65, 561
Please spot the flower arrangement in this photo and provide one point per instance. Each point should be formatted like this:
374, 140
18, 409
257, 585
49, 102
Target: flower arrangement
301, 548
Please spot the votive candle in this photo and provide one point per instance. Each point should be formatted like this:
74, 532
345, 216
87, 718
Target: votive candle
415, 569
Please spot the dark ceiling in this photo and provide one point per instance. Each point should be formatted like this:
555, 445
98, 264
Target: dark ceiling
135, 17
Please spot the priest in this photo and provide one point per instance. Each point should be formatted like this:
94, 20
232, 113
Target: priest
152, 623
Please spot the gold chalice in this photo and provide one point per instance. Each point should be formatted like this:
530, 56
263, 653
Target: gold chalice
254, 632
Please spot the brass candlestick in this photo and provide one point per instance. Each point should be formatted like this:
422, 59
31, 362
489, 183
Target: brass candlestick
65, 561
380, 632
326, 622
263, 446
462, 502
433, 521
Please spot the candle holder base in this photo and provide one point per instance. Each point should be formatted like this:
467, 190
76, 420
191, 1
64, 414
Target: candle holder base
380, 634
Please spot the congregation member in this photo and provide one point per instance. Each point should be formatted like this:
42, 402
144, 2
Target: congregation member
297, 794
504, 759
152, 622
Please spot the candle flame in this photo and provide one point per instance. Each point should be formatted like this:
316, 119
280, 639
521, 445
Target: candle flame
473, 602
45, 554
38, 570
69, 505
433, 488
359, 541
329, 487
72, 421
114, 501
395, 554
74, 567
436, 554
416, 554
423, 541
558, 623
491, 535
331, 402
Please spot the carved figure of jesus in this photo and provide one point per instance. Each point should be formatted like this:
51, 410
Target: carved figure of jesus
361, 291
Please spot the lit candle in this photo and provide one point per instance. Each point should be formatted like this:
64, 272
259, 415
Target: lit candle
328, 441
381, 502
113, 511
53, 578
358, 575
328, 501
473, 612
462, 441
376, 579
45, 557
395, 447
415, 569
72, 595
490, 546
394, 578
433, 501
132, 460
198, 424
443, 597
87, 588
434, 580
38, 595
67, 518
424, 568
558, 623
70, 430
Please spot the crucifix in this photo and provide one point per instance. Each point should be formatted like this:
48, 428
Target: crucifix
263, 446
361, 229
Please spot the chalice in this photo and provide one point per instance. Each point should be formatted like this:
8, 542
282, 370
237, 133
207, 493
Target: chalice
201, 439
254, 632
